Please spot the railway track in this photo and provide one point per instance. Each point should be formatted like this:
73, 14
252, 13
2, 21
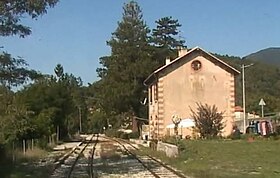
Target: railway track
77, 162
110, 158
92, 173
155, 168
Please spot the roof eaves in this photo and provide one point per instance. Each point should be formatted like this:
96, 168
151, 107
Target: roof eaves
176, 59
224, 63
147, 83
149, 79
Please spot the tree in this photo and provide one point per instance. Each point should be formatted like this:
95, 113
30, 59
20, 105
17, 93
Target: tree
13, 71
165, 39
208, 121
12, 11
262, 81
17, 122
130, 62
54, 103
58, 70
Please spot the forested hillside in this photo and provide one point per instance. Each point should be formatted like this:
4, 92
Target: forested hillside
269, 56
262, 80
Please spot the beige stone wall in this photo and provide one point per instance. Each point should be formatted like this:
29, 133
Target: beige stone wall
183, 87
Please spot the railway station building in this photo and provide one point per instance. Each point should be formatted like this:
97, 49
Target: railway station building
195, 76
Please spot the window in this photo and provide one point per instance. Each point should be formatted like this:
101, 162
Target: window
156, 91
196, 65
151, 94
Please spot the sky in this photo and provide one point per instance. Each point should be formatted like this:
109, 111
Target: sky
74, 33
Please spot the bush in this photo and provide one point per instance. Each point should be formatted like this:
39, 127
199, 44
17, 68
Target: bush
124, 135
170, 139
153, 144
236, 134
277, 130
134, 135
43, 143
112, 133
176, 141
208, 121
2, 151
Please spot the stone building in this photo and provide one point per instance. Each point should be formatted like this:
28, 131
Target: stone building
194, 76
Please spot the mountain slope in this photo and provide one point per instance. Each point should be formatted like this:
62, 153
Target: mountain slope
269, 55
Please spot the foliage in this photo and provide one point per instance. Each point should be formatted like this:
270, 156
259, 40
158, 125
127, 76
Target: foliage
55, 102
96, 120
236, 134
261, 81
175, 140
277, 130
269, 55
41, 107
208, 121
58, 70
13, 71
123, 72
135, 53
113, 133
25, 164
12, 11
164, 39
135, 135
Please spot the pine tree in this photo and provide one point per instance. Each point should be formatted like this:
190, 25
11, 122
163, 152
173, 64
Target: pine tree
165, 39
128, 65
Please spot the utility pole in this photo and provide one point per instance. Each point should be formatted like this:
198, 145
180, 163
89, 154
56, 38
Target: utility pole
262, 103
243, 95
80, 119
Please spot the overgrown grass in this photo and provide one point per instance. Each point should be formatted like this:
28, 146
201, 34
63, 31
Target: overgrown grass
27, 165
227, 158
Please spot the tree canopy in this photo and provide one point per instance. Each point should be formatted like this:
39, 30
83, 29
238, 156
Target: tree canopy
125, 69
12, 11
14, 71
135, 53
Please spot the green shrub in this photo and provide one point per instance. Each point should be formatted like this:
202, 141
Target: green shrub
208, 121
176, 141
236, 134
43, 143
124, 135
277, 130
153, 144
112, 133
170, 139
182, 146
134, 135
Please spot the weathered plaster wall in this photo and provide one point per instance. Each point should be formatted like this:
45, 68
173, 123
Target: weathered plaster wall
183, 87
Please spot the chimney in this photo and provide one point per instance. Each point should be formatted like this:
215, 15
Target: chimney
182, 51
167, 61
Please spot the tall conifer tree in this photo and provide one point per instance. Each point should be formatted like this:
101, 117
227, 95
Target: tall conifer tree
128, 65
165, 39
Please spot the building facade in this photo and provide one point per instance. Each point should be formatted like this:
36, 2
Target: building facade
195, 76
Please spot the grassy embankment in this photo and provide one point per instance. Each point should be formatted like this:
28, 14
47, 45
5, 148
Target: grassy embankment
227, 158
28, 165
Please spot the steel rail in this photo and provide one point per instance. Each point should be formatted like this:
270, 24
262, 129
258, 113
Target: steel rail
152, 158
91, 173
79, 155
161, 163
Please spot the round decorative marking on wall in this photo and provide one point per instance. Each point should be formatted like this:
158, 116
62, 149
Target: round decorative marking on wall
196, 65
